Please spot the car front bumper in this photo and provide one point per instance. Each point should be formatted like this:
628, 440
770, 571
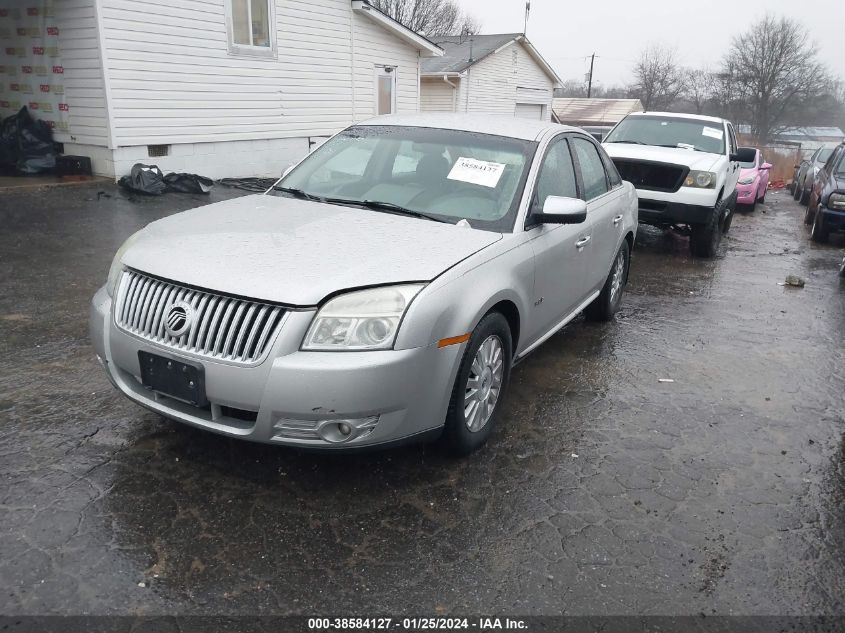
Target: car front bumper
833, 221
288, 397
688, 205
746, 194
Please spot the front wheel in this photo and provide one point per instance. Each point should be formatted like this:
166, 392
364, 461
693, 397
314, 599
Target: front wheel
804, 197
842, 269
479, 386
705, 238
607, 303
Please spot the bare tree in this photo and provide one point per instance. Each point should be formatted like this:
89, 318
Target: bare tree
700, 86
659, 81
773, 68
429, 17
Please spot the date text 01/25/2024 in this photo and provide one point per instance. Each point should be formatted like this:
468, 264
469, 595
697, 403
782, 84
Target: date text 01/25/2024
415, 624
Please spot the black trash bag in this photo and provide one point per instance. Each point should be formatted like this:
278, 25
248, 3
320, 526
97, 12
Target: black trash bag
37, 152
146, 179
10, 131
188, 183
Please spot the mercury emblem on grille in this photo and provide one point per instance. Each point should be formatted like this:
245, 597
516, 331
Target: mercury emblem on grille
179, 318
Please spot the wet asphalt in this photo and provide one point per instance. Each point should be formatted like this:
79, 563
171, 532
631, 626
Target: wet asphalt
603, 490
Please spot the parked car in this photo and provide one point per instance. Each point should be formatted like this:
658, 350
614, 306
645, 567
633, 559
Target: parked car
826, 208
807, 172
685, 168
379, 293
753, 179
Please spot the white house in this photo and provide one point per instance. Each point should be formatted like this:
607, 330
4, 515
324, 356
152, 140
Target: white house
215, 87
498, 74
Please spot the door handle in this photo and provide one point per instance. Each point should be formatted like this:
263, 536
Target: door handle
582, 242
617, 220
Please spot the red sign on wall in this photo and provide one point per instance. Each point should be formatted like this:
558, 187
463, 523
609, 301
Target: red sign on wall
63, 107
52, 30
58, 70
37, 50
26, 70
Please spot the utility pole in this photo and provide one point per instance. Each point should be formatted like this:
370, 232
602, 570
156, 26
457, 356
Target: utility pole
590, 78
527, 11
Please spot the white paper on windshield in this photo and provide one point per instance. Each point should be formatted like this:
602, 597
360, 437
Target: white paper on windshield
477, 172
712, 132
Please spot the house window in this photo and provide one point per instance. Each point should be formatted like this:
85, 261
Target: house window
385, 89
250, 24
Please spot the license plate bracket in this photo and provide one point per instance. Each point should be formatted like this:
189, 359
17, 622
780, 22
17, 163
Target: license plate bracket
174, 378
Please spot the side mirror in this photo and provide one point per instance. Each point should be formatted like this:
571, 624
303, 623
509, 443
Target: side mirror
766, 166
744, 155
560, 210
288, 169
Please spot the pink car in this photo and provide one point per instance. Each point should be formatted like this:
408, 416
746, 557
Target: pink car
753, 181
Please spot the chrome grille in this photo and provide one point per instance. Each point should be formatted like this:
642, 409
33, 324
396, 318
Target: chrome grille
223, 328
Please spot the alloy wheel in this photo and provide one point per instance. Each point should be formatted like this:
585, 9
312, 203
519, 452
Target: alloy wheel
484, 383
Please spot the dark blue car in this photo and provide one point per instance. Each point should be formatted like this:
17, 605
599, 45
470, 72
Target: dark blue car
826, 210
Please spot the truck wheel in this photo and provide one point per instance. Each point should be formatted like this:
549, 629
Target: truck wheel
607, 303
819, 232
729, 218
705, 238
479, 386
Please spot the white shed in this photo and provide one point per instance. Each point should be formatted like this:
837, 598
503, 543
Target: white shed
493, 74
216, 87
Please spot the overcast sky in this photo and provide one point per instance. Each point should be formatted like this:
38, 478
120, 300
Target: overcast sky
616, 30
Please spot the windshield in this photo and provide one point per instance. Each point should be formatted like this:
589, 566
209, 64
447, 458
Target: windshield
704, 136
446, 174
750, 164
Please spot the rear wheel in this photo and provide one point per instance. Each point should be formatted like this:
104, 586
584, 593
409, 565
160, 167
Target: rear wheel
805, 197
479, 386
809, 214
607, 303
819, 233
762, 199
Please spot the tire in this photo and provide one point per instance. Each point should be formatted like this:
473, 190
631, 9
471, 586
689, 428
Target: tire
809, 214
762, 199
805, 197
752, 209
705, 238
819, 233
842, 269
458, 435
607, 303
729, 218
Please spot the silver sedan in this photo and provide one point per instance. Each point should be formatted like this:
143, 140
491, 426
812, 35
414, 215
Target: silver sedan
379, 293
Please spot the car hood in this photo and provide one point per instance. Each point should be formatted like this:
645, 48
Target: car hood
703, 161
297, 252
750, 171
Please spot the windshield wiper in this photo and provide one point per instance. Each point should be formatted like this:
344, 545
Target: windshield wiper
299, 193
632, 142
389, 207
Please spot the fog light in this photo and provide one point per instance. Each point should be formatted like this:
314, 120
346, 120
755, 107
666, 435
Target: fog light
339, 431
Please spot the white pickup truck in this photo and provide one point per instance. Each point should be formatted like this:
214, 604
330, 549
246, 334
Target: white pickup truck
685, 168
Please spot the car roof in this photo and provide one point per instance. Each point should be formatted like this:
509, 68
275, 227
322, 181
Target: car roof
681, 115
500, 125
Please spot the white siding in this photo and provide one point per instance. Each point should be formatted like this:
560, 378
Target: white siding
501, 80
438, 96
88, 121
375, 46
173, 79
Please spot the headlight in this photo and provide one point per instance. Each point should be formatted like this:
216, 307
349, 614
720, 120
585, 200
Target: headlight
701, 179
836, 201
117, 266
747, 180
360, 320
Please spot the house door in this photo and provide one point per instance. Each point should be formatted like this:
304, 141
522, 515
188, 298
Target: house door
385, 89
529, 111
